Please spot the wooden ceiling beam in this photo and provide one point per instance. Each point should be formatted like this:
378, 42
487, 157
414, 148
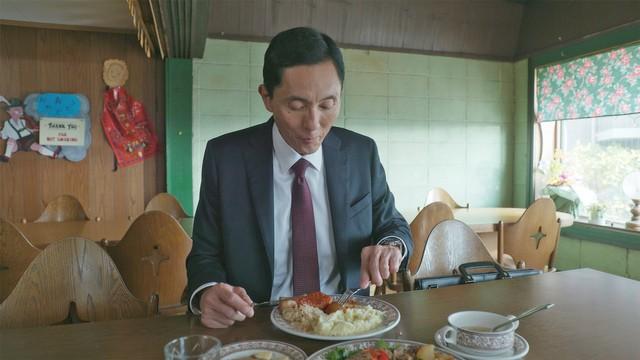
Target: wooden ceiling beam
142, 27
176, 28
185, 26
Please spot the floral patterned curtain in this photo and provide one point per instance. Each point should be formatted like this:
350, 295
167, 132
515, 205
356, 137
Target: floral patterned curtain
604, 84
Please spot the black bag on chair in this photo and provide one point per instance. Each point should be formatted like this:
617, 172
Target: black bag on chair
466, 277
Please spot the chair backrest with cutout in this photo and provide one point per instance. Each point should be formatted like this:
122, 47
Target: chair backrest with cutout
63, 208
16, 253
440, 194
167, 203
430, 216
450, 244
533, 239
75, 279
151, 257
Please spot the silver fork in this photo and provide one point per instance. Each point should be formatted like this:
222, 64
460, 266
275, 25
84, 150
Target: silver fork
344, 298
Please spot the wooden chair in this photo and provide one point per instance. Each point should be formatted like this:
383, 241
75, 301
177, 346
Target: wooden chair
421, 227
63, 208
532, 241
450, 244
151, 258
72, 280
16, 253
440, 194
167, 203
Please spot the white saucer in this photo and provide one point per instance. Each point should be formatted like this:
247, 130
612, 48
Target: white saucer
520, 349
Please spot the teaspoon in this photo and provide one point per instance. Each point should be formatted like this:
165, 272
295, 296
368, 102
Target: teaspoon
524, 315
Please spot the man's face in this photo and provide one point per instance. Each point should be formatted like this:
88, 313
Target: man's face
15, 112
305, 104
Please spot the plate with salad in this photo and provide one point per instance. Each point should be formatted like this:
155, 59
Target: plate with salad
382, 349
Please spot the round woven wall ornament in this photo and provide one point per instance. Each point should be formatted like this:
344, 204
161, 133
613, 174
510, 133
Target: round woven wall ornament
115, 73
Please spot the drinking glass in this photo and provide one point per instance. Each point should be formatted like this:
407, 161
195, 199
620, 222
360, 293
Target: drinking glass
192, 347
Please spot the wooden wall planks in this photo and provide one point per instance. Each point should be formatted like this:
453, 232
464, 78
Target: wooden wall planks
548, 24
43, 60
491, 29
469, 28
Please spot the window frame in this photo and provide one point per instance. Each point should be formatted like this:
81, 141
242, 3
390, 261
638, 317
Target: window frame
615, 38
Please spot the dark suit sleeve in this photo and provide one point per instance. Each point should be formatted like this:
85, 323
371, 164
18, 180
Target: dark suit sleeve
387, 221
205, 261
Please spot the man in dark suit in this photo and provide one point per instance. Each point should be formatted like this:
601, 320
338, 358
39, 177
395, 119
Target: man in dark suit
292, 205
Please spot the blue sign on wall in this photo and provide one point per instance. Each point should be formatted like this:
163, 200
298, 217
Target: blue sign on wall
58, 105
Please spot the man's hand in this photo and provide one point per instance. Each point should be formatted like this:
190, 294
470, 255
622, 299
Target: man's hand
222, 305
378, 262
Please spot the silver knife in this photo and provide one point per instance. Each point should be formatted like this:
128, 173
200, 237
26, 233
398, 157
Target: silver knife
266, 303
271, 302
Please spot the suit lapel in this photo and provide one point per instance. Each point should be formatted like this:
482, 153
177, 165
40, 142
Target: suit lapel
335, 161
259, 162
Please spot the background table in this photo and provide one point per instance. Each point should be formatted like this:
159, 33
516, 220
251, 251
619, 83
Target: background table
487, 219
484, 221
596, 317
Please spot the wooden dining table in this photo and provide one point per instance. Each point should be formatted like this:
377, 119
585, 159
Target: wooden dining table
596, 316
41, 234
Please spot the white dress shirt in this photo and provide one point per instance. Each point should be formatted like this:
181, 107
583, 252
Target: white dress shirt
283, 159
284, 156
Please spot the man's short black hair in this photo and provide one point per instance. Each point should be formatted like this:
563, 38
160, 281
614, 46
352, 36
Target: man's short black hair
298, 46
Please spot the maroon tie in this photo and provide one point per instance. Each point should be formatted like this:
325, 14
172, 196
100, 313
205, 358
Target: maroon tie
306, 276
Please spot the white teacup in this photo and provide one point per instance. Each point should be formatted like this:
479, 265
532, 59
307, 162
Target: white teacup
472, 332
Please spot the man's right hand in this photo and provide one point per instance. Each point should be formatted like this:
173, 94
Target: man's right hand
222, 305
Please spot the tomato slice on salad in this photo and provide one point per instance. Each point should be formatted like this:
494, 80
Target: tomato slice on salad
377, 354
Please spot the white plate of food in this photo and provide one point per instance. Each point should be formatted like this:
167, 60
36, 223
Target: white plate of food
362, 317
261, 350
382, 349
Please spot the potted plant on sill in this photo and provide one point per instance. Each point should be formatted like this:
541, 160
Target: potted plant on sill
558, 186
596, 213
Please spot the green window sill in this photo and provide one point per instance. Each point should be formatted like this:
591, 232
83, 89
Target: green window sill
603, 234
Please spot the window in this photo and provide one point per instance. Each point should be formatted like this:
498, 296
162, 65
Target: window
587, 137
584, 163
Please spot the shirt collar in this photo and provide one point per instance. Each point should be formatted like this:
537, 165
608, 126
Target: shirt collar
287, 156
